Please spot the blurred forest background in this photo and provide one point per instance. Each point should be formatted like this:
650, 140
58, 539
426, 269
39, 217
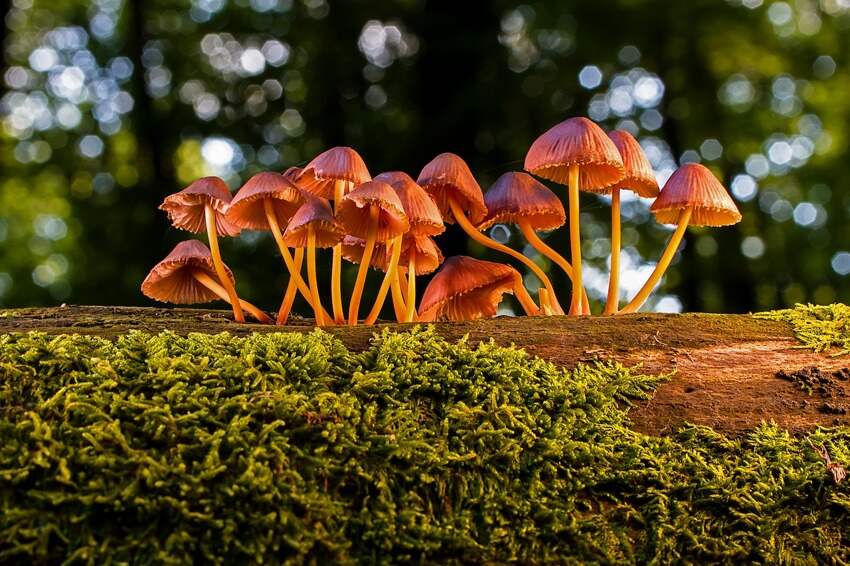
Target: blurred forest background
109, 105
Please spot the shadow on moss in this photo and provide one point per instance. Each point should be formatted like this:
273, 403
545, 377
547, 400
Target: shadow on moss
288, 447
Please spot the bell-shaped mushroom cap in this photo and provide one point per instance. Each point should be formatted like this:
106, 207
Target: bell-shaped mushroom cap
516, 196
353, 211
447, 175
171, 281
428, 255
335, 164
186, 208
422, 212
315, 212
577, 141
247, 209
693, 185
639, 178
467, 289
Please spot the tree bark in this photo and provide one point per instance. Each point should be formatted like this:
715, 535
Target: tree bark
725, 365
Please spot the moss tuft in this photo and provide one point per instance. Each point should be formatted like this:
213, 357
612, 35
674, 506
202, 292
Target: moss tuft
290, 448
819, 327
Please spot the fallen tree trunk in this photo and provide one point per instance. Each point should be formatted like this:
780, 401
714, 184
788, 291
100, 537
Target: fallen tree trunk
725, 365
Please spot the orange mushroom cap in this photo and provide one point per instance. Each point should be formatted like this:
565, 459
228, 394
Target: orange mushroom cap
693, 185
639, 178
335, 164
353, 211
247, 210
315, 212
428, 255
449, 175
516, 196
467, 289
186, 208
577, 141
171, 281
422, 212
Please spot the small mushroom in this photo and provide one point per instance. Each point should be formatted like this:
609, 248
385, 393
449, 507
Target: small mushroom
266, 202
314, 226
188, 276
425, 220
468, 289
331, 175
691, 196
201, 207
374, 213
450, 183
518, 198
576, 153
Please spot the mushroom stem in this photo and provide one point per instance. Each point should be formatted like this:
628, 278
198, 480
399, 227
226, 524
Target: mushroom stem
212, 236
294, 272
216, 288
311, 275
399, 296
613, 302
389, 277
575, 240
411, 287
291, 289
538, 244
663, 263
525, 299
357, 294
336, 266
492, 244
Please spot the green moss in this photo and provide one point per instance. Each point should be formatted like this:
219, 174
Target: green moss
818, 327
290, 448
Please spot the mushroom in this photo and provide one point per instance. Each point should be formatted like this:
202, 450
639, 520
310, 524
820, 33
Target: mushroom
188, 275
641, 180
201, 207
425, 220
691, 196
314, 226
576, 153
374, 213
468, 289
518, 198
266, 202
331, 175
450, 183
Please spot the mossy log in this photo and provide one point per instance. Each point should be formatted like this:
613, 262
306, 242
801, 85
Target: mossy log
725, 365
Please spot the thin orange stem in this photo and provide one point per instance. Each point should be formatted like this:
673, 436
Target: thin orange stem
311, 276
473, 233
399, 290
336, 267
525, 299
389, 278
204, 279
663, 263
613, 302
575, 239
357, 294
212, 236
291, 290
411, 287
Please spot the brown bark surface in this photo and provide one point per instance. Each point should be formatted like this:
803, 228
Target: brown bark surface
725, 364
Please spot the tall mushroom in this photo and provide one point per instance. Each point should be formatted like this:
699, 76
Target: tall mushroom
641, 180
518, 198
425, 220
450, 183
201, 207
266, 202
691, 196
468, 289
374, 213
331, 175
576, 153
188, 276
314, 226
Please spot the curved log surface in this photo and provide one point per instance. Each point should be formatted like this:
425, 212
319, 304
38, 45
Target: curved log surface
725, 365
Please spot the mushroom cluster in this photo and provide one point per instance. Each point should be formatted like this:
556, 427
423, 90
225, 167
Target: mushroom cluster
389, 222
